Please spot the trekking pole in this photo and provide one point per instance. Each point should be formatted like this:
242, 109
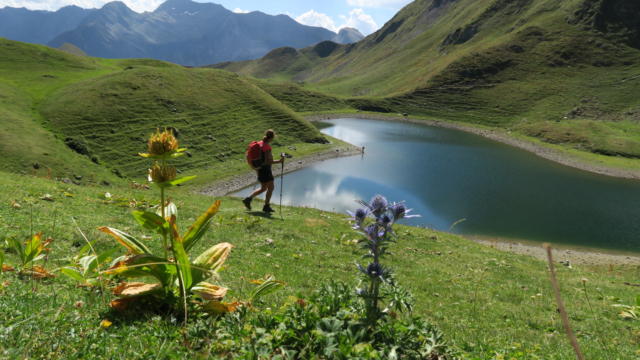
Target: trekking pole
281, 184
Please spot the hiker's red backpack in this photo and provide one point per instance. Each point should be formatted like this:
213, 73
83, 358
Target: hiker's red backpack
254, 154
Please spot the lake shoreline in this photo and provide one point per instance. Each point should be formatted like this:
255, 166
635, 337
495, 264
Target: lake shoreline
572, 255
499, 136
566, 254
238, 182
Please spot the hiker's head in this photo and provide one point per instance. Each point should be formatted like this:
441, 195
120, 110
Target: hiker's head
269, 135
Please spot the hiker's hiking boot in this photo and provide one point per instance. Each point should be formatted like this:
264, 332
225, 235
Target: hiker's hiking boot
247, 203
267, 209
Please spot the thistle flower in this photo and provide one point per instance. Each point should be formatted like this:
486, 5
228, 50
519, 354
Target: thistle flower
161, 144
400, 211
160, 174
374, 270
358, 216
378, 205
373, 232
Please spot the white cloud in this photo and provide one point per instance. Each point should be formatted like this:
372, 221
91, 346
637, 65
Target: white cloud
356, 18
52, 5
314, 18
360, 20
240, 11
377, 3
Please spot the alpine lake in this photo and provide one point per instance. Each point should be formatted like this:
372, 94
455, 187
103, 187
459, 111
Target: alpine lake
469, 185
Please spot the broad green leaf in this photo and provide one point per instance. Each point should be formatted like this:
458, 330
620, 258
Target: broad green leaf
166, 156
151, 221
178, 153
182, 259
200, 226
1, 259
39, 257
132, 244
209, 291
32, 248
265, 288
214, 257
144, 265
88, 263
638, 300
134, 289
73, 273
181, 180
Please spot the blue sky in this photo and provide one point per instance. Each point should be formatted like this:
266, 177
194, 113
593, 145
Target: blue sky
365, 15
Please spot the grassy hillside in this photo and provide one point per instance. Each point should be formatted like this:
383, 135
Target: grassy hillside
489, 304
69, 115
216, 111
564, 72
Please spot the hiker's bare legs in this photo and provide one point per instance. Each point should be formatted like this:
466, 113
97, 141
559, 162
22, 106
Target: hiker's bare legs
268, 187
267, 197
263, 188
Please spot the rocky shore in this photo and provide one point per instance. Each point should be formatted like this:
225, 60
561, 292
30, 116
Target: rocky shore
566, 256
227, 186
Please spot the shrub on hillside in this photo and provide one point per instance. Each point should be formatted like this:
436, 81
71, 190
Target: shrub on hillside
330, 324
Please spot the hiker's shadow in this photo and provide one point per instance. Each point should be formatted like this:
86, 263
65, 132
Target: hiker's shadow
261, 214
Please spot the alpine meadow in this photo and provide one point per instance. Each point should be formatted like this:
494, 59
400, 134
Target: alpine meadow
130, 222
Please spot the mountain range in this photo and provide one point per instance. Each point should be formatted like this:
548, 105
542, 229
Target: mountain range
560, 71
179, 31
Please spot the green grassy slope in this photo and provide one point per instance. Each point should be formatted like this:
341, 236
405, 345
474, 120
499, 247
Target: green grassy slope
218, 112
27, 74
489, 304
300, 99
53, 102
542, 68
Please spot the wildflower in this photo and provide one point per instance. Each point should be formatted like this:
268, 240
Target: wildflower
105, 323
400, 211
378, 205
162, 173
373, 232
162, 143
374, 270
358, 216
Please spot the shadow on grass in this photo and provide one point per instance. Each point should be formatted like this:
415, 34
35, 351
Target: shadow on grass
263, 214
143, 309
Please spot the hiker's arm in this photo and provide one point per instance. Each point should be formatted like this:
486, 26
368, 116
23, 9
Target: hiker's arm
269, 158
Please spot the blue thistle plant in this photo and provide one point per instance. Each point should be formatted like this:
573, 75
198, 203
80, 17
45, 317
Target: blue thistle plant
378, 235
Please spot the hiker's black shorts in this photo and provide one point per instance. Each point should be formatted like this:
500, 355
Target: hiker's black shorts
265, 174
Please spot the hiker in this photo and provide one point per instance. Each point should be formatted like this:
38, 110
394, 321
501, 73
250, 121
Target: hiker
262, 166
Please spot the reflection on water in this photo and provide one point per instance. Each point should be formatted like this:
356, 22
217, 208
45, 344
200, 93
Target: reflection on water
447, 175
